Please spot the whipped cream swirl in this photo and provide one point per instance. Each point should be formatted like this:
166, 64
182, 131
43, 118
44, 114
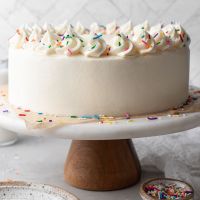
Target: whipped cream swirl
141, 27
161, 40
95, 46
144, 42
79, 28
126, 28
61, 28
99, 40
176, 35
121, 46
96, 29
48, 27
111, 28
20, 38
48, 42
71, 44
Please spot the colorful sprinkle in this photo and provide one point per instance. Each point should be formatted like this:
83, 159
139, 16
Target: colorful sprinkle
96, 117
152, 118
87, 116
155, 35
96, 37
69, 52
5, 111
93, 46
146, 44
22, 115
68, 36
26, 110
168, 42
127, 116
181, 37
167, 191
39, 120
50, 120
73, 116
40, 113
119, 43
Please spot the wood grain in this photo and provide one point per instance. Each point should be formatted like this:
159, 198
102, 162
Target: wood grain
102, 165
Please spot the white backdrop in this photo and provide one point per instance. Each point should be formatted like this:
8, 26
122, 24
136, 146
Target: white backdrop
16, 12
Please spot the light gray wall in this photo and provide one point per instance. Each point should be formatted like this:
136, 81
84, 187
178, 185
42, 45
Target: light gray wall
16, 12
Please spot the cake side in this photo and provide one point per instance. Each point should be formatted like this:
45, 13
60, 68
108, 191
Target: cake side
110, 85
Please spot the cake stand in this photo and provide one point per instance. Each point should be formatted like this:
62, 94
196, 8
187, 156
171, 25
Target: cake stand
102, 156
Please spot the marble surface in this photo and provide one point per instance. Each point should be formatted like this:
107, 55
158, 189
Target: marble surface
16, 12
41, 160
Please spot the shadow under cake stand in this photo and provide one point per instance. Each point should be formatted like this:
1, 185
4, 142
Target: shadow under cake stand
102, 156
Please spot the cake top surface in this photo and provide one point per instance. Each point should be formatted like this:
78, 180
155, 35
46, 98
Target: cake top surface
98, 41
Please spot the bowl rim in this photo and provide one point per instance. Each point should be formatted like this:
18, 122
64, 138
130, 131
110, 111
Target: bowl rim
15, 184
143, 194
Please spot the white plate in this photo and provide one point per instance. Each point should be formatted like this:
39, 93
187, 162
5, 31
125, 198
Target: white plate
141, 127
31, 191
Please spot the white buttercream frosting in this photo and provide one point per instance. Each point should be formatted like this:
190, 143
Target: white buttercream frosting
126, 28
176, 34
48, 27
161, 40
111, 28
144, 42
79, 28
142, 38
71, 44
61, 28
96, 28
141, 27
19, 39
120, 45
95, 46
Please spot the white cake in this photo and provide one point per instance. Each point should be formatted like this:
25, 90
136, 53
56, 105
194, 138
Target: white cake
111, 71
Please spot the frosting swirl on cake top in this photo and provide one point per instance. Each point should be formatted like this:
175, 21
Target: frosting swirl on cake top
121, 46
98, 41
95, 46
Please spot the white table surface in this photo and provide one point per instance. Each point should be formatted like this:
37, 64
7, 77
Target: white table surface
41, 160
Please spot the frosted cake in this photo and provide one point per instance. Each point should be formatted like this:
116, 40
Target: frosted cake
108, 70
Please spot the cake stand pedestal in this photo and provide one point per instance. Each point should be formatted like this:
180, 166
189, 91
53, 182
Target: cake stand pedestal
102, 164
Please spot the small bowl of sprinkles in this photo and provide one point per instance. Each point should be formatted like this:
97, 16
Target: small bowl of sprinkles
166, 188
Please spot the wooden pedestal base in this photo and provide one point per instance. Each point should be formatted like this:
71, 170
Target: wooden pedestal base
102, 165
